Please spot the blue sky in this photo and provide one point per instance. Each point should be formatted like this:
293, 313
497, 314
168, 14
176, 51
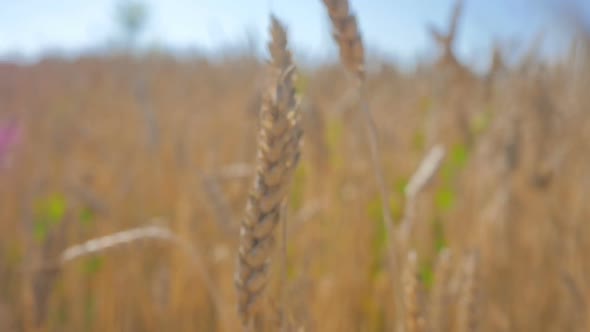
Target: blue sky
395, 27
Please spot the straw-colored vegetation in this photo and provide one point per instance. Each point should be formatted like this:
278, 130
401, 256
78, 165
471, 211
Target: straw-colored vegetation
278, 156
157, 194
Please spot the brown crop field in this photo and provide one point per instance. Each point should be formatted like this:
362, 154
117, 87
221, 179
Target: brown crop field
154, 193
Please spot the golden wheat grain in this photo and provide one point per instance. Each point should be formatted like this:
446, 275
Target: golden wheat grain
278, 154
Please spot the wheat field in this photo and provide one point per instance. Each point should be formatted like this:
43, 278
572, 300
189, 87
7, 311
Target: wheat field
151, 193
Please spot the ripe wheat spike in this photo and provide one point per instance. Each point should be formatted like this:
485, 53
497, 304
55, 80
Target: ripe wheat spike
279, 141
348, 37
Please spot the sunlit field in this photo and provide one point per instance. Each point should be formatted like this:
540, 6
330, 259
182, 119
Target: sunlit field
256, 194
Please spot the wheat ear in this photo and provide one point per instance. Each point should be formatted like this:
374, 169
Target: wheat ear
348, 37
279, 140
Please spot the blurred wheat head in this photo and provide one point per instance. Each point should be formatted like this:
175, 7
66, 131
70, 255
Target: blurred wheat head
279, 139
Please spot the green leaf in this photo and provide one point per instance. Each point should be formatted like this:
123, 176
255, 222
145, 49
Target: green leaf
93, 265
379, 243
49, 212
400, 186
51, 209
481, 122
419, 140
396, 208
444, 199
427, 275
90, 309
13, 254
439, 235
459, 155
374, 211
86, 216
40, 230
334, 132
298, 188
301, 84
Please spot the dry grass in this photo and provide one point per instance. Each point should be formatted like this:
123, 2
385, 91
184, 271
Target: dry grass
89, 161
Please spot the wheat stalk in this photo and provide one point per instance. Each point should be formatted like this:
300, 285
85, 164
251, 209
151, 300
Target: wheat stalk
413, 318
425, 171
278, 154
348, 38
440, 297
100, 244
347, 35
419, 180
467, 303
219, 204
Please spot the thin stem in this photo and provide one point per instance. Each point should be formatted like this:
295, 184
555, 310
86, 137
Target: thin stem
284, 265
374, 148
394, 249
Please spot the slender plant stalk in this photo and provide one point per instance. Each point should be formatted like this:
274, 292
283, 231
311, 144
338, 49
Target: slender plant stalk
440, 301
279, 141
413, 317
373, 140
219, 204
349, 40
467, 303
419, 180
284, 266
347, 35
